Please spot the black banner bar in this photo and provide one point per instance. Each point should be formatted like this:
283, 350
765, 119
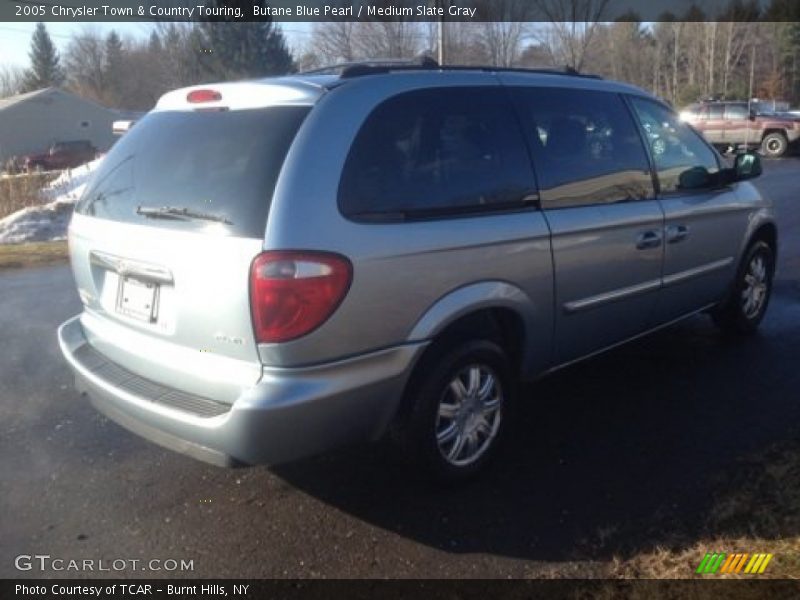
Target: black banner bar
410, 589
393, 10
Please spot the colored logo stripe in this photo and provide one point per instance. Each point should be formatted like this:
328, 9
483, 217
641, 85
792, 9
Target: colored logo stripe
764, 564
701, 568
727, 565
710, 563
734, 563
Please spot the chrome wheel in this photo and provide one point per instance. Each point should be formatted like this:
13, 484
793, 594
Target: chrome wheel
755, 289
470, 410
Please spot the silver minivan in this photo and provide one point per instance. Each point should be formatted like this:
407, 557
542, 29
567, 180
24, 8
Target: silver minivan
273, 268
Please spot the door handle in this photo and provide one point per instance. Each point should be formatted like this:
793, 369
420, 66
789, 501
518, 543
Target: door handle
677, 233
648, 239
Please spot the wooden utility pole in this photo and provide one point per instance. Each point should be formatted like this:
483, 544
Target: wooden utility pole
750, 95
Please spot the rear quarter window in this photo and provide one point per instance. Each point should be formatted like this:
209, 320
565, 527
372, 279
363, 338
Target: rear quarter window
434, 153
223, 163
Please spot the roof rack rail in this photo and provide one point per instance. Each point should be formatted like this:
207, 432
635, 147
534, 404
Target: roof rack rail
374, 67
378, 65
350, 70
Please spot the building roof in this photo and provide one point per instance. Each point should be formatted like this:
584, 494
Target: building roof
12, 100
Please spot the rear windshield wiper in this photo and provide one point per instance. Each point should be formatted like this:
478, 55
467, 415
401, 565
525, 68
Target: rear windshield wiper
178, 212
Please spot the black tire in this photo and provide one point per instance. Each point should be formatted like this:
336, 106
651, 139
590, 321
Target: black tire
734, 316
774, 145
430, 386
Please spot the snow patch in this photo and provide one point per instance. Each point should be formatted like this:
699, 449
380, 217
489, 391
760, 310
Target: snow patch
49, 221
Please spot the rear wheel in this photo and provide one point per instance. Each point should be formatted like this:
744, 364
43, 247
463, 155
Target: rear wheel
774, 145
744, 309
459, 402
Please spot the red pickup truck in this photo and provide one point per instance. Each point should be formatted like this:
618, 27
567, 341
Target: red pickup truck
61, 155
726, 124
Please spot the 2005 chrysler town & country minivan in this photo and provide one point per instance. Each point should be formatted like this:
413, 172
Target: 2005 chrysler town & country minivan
273, 268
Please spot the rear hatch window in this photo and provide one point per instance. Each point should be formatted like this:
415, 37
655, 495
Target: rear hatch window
209, 171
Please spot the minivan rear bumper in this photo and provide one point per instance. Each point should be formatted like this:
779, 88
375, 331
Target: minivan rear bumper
290, 413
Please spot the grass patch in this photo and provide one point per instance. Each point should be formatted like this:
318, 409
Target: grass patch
757, 508
35, 253
21, 191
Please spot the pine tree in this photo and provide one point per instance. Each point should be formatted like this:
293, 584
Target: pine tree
787, 13
113, 68
45, 68
154, 43
229, 49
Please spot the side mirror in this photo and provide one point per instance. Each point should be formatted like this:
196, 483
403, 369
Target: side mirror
694, 178
747, 166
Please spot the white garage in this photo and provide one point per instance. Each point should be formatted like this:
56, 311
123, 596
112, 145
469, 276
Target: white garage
32, 122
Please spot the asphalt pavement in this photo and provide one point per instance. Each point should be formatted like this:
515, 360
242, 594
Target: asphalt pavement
612, 456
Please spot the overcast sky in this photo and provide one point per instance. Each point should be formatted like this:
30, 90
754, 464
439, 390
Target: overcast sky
15, 38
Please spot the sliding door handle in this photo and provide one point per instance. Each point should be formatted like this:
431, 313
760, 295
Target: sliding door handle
648, 239
677, 233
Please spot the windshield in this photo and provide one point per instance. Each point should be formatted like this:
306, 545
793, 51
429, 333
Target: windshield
222, 164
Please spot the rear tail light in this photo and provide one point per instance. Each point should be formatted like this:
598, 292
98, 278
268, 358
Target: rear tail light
293, 293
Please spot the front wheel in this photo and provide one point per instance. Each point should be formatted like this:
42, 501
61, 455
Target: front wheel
460, 400
747, 303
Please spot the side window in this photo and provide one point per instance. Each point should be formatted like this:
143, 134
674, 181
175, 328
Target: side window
683, 160
715, 111
736, 111
585, 146
436, 151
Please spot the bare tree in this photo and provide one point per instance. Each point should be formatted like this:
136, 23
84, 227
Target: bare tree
11, 78
390, 39
178, 49
738, 37
85, 65
502, 41
465, 44
625, 50
572, 28
502, 30
336, 41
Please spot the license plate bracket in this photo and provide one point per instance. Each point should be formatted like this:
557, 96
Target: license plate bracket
138, 299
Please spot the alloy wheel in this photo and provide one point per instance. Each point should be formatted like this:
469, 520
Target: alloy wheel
469, 415
754, 292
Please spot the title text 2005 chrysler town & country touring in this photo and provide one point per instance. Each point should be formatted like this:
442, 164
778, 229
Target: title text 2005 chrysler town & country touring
273, 268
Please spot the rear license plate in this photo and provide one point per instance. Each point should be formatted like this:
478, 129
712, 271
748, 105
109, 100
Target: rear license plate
138, 299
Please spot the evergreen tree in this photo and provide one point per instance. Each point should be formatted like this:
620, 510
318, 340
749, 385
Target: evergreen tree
783, 10
787, 13
45, 68
154, 44
228, 49
114, 51
740, 10
113, 68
